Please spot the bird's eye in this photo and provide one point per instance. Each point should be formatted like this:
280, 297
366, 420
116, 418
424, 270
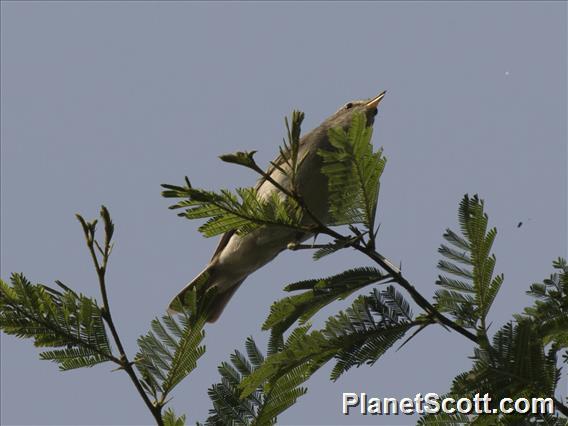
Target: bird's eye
349, 105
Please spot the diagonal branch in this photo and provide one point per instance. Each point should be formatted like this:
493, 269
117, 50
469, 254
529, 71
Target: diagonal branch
378, 258
89, 231
560, 406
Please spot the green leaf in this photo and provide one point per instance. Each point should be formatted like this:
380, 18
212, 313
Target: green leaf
75, 357
516, 365
443, 419
330, 249
241, 158
243, 211
360, 335
468, 291
288, 162
353, 171
550, 310
320, 293
170, 419
263, 405
172, 347
55, 319
282, 395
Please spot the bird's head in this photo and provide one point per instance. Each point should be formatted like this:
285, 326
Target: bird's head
343, 116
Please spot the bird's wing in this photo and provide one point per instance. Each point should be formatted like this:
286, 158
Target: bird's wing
227, 235
222, 243
279, 161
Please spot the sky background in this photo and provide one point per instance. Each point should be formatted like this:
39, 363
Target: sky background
104, 101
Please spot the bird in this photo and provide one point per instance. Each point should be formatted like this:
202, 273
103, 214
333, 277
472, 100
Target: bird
238, 256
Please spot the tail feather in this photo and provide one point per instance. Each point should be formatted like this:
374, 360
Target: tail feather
221, 301
203, 282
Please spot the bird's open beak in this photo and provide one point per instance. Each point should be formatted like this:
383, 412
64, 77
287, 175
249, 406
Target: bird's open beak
375, 101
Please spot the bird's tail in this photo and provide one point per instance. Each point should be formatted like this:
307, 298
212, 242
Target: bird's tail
203, 282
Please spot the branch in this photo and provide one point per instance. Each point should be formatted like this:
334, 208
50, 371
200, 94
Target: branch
381, 260
125, 363
415, 294
560, 406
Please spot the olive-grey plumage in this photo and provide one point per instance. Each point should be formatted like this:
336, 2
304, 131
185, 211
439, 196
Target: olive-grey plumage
236, 257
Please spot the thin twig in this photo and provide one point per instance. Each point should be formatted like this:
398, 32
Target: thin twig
124, 361
298, 246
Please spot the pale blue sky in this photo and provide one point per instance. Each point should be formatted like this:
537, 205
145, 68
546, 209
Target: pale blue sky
104, 101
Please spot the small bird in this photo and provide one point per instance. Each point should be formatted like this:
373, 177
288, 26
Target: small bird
236, 257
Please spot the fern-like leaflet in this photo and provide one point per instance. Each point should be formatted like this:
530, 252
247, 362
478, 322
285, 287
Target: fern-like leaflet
56, 319
353, 171
467, 292
319, 293
172, 347
243, 211
550, 310
263, 405
357, 336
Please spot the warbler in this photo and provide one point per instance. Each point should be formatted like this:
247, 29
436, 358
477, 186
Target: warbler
238, 256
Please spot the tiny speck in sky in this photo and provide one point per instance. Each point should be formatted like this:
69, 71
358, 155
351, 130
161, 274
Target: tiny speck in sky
507, 73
